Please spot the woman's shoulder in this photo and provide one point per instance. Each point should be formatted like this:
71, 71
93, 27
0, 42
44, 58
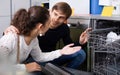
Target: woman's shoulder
8, 40
8, 37
34, 41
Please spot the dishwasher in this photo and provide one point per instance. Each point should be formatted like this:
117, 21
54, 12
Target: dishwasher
105, 57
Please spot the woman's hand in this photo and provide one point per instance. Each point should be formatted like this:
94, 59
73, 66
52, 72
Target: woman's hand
30, 67
11, 29
84, 36
68, 49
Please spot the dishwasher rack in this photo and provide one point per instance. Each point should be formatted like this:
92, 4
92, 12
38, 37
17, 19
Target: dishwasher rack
105, 57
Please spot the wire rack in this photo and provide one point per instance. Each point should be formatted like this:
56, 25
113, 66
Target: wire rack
105, 57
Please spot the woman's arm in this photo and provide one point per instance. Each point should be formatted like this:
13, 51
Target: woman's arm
8, 55
38, 55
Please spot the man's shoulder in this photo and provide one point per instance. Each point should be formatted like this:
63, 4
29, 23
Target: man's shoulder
64, 26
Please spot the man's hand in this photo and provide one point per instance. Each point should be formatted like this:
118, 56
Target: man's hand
11, 29
84, 36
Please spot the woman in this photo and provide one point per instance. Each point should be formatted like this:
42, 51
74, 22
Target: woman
30, 24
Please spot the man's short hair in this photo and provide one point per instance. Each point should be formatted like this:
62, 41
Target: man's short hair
64, 8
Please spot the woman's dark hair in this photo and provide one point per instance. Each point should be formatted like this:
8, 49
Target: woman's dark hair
64, 8
25, 21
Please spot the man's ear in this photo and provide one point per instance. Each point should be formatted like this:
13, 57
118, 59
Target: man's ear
50, 11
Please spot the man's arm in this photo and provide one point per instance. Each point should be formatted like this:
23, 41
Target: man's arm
82, 39
84, 36
12, 29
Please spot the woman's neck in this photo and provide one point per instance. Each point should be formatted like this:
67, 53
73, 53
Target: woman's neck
28, 39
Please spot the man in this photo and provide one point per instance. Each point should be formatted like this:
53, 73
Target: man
60, 12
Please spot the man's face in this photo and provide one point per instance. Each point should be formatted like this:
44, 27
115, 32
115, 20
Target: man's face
57, 18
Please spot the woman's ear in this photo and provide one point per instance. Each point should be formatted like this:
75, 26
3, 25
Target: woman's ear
39, 26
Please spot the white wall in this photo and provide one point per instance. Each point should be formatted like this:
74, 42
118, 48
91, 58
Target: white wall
7, 9
80, 6
35, 2
4, 15
18, 4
